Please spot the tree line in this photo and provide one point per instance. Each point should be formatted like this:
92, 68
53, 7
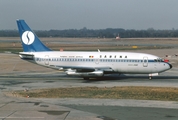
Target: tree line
100, 33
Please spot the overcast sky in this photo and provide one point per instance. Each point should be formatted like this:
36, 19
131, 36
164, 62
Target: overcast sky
93, 14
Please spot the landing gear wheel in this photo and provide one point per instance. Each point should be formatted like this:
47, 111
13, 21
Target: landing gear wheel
86, 78
150, 77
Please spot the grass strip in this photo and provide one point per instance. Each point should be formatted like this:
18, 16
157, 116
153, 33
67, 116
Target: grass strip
140, 93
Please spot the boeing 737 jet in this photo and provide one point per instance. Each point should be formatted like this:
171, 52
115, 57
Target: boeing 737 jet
87, 64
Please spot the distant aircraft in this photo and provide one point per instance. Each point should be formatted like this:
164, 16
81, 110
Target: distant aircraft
87, 64
118, 38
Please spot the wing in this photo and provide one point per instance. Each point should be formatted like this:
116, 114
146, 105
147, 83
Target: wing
86, 72
85, 69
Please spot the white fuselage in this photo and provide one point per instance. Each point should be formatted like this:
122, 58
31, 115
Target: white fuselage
87, 64
120, 62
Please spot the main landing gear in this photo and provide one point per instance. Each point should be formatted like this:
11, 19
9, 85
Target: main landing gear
86, 78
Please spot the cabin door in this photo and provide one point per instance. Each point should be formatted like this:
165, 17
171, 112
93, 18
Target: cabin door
145, 61
46, 60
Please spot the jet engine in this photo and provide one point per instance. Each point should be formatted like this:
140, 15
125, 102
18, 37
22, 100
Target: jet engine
85, 74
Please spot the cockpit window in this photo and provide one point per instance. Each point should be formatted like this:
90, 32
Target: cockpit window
158, 60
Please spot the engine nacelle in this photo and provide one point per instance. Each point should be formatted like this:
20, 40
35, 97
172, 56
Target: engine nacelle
85, 74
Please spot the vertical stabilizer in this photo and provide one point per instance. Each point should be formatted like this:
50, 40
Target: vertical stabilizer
30, 41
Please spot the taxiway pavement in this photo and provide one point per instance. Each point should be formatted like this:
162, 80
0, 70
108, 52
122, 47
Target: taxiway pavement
16, 74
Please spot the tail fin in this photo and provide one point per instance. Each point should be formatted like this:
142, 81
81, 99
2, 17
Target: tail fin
30, 41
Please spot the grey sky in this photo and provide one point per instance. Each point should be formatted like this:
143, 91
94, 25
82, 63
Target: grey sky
93, 14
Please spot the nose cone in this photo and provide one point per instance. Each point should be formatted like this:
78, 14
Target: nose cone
170, 65
167, 66
166, 61
163, 67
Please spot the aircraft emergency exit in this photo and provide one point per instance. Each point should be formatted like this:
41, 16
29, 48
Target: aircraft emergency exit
87, 64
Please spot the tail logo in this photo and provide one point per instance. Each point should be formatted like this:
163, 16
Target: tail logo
28, 37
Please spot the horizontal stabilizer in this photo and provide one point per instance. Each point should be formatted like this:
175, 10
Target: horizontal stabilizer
26, 56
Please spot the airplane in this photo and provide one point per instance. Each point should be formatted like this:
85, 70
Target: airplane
87, 64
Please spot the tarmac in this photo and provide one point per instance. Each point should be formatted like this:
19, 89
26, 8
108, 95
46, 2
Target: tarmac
16, 74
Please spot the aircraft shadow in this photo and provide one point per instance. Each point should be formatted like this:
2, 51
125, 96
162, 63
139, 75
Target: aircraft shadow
130, 78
